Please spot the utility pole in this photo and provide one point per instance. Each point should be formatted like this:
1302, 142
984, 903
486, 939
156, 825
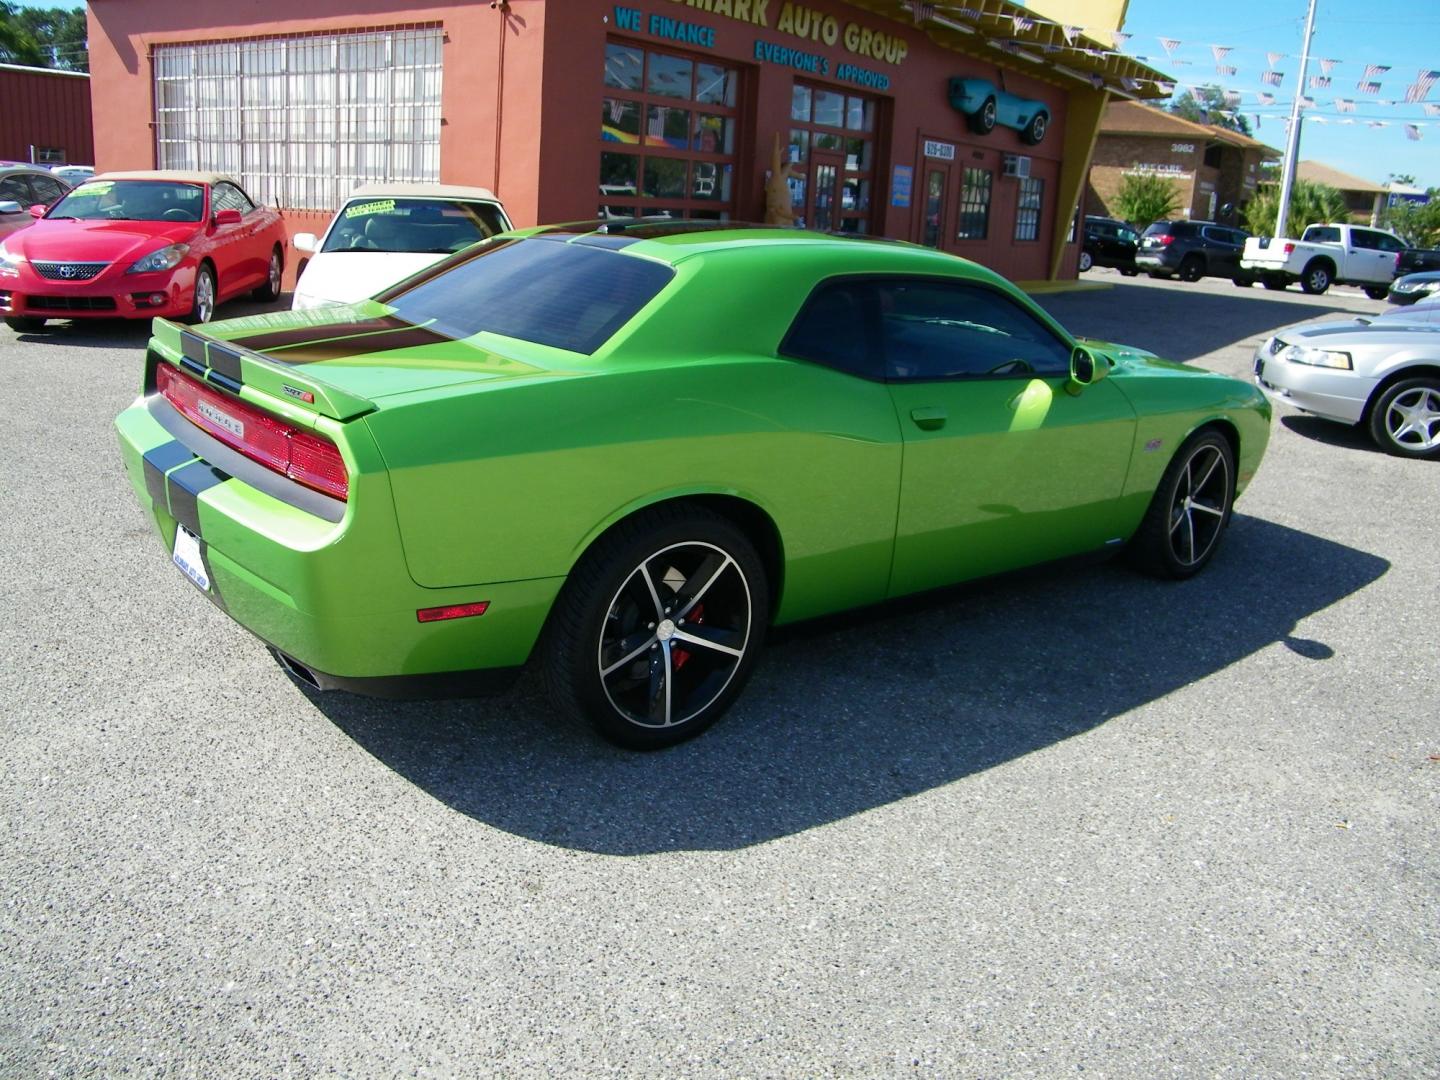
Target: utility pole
1292, 146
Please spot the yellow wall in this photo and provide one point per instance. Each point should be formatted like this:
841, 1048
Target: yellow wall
1096, 16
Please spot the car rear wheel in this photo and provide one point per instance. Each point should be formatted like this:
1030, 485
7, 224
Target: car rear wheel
1274, 284
1405, 420
1316, 278
1182, 528
1377, 292
271, 289
1125, 272
1192, 268
982, 122
25, 324
1034, 133
658, 627
202, 306
1086, 261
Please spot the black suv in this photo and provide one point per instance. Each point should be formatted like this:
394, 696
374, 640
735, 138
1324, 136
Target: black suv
1109, 242
1191, 250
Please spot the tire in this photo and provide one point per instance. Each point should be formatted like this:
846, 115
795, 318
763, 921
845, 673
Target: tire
271, 289
1405, 418
615, 644
1192, 268
1034, 133
25, 324
1274, 284
1243, 282
1086, 261
1377, 292
1129, 273
1173, 540
1316, 277
982, 121
202, 304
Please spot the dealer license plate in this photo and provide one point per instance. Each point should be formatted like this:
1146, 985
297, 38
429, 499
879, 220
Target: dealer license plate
187, 557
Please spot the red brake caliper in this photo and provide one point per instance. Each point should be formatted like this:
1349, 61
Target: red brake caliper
682, 655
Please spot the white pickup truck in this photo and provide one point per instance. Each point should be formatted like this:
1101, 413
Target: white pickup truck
1327, 255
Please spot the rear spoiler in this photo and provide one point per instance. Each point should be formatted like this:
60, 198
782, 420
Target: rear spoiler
231, 366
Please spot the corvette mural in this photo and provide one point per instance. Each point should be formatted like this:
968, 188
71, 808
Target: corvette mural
986, 105
665, 440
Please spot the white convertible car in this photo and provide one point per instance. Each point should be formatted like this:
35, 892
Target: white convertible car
386, 232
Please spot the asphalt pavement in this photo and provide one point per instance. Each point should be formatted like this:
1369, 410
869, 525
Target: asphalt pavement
1079, 821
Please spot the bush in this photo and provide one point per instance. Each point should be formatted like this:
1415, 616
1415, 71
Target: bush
1310, 204
1144, 198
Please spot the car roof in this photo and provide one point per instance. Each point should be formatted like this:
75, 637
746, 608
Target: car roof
11, 167
180, 176
421, 191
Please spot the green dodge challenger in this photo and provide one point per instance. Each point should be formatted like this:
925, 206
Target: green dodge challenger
624, 450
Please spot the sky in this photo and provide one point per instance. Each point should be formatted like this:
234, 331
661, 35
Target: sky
1403, 34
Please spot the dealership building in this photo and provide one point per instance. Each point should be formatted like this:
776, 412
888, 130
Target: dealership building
573, 109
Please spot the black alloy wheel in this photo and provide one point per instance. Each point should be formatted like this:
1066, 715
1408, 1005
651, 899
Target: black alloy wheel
1190, 510
658, 627
1192, 268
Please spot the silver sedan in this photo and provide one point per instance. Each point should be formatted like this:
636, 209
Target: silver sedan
1383, 374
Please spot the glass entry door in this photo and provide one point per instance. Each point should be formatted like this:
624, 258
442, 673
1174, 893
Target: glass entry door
934, 204
822, 213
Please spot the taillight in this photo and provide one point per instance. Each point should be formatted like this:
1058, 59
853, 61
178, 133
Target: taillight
1166, 239
303, 456
1289, 248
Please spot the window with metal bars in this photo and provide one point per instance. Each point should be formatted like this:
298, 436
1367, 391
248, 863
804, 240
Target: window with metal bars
300, 121
1027, 210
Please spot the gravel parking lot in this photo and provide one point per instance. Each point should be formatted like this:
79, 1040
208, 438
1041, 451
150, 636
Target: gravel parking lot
1076, 821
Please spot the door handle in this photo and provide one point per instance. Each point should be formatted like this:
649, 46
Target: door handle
930, 419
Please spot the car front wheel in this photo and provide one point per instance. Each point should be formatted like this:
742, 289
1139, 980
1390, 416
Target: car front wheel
1377, 292
1086, 261
658, 627
1405, 420
1190, 510
202, 305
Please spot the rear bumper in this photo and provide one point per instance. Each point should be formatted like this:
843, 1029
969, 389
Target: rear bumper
1158, 262
333, 596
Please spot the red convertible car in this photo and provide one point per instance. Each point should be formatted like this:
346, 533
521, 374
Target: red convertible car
132, 245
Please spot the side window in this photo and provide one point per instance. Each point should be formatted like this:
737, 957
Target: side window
1386, 242
229, 197
14, 189
836, 328
46, 189
944, 330
1363, 239
1322, 234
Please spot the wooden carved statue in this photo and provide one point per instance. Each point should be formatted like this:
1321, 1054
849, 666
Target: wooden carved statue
777, 188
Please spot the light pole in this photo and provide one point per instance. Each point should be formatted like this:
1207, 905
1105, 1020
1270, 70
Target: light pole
1292, 146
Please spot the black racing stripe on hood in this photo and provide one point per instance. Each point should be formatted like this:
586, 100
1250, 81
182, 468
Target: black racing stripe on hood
306, 335
413, 338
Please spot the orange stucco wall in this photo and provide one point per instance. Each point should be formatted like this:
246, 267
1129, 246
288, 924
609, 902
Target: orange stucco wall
522, 95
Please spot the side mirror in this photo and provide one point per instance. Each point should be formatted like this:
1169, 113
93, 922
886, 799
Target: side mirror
38, 210
8, 207
305, 241
227, 217
1086, 368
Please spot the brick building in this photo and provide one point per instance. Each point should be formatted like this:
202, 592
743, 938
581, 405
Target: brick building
1215, 171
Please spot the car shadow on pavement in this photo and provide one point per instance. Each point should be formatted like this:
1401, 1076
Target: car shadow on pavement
852, 714
133, 333
1350, 436
1181, 323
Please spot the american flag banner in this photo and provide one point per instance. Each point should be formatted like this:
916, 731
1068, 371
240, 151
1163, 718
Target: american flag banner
1131, 85
1368, 87
1344, 105
1412, 132
921, 13
1420, 88
1307, 102
1098, 82
1327, 66
1431, 109
1220, 52
1121, 39
1071, 33
1273, 58
1319, 82
1232, 98
1272, 78
1227, 70
1374, 71
1169, 44
1265, 97
1169, 88
1022, 23
966, 13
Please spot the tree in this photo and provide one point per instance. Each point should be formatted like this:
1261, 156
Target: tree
1211, 109
1310, 204
1401, 179
1418, 223
43, 37
1145, 197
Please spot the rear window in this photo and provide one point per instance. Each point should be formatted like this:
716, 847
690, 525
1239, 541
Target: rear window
568, 296
1322, 234
1160, 228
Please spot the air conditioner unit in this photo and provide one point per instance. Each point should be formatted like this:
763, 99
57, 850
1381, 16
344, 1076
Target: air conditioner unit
1017, 165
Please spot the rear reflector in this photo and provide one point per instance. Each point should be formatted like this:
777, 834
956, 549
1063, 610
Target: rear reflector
304, 457
451, 611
